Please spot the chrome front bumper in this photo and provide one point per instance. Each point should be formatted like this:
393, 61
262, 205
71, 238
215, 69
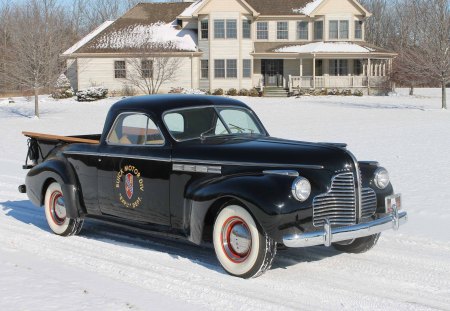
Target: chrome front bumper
331, 235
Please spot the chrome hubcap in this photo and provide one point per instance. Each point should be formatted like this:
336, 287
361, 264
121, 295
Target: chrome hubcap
240, 239
58, 208
236, 239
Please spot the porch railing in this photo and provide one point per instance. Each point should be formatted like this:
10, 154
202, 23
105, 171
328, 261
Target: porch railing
335, 82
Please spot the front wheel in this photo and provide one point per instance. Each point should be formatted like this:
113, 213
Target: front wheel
360, 245
242, 249
56, 213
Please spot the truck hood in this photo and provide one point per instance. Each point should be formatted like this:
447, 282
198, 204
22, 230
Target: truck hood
264, 152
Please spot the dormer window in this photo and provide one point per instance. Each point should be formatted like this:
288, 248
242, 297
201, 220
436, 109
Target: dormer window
338, 30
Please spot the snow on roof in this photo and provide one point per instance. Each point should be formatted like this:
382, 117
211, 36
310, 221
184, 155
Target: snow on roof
88, 38
192, 8
308, 8
332, 47
158, 36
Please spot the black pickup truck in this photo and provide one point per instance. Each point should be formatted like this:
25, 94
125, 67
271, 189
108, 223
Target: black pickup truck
206, 169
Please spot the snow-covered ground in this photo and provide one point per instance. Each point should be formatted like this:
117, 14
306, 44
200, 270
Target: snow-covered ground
110, 268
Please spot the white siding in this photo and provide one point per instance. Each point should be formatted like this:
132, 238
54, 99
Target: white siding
72, 73
100, 71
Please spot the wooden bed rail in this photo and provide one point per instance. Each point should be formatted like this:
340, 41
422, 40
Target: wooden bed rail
61, 138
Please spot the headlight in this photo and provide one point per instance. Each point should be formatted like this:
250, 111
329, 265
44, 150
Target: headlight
301, 189
381, 178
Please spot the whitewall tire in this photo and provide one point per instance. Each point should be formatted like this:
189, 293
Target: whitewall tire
56, 213
242, 249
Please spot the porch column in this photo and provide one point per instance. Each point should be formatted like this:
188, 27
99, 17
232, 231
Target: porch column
314, 71
301, 67
369, 73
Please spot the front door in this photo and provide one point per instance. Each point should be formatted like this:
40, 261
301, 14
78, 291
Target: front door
272, 70
134, 171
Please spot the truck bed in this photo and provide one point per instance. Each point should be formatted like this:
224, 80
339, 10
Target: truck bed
40, 145
85, 139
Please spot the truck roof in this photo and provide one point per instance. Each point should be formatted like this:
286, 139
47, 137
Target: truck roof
158, 104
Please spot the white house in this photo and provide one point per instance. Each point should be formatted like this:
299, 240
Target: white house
269, 44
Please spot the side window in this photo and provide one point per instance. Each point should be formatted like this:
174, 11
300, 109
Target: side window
175, 123
135, 129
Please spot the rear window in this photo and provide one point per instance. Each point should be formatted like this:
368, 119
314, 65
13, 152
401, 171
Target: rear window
135, 129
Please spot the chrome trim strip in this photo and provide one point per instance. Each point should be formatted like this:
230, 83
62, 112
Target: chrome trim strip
209, 162
111, 155
358, 184
282, 172
328, 236
197, 168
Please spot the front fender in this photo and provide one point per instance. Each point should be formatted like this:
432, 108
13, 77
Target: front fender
267, 197
59, 170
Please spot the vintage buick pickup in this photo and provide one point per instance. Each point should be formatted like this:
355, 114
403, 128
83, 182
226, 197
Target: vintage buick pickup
206, 169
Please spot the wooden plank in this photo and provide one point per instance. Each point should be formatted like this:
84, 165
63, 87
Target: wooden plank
61, 138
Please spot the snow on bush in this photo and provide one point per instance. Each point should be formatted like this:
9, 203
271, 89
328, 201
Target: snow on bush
92, 94
180, 90
232, 92
218, 91
63, 89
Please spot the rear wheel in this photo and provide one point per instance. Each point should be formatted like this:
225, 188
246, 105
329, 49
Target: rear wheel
242, 249
56, 212
360, 245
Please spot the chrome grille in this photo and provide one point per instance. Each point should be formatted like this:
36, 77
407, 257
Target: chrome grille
338, 205
369, 202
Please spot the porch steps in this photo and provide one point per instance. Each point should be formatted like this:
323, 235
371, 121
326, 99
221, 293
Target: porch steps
275, 92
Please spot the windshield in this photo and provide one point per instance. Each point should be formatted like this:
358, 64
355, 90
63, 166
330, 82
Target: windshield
203, 122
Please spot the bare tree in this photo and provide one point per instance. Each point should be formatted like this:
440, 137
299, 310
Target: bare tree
151, 70
38, 37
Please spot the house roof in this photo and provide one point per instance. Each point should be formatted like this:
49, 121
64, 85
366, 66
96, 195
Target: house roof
318, 47
146, 27
281, 7
271, 7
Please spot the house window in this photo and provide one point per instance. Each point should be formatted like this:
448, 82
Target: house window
219, 68
246, 68
204, 29
338, 30
302, 30
231, 29
318, 30
204, 69
358, 65
246, 29
147, 68
343, 29
262, 31
231, 68
339, 67
358, 29
225, 68
219, 29
120, 71
282, 30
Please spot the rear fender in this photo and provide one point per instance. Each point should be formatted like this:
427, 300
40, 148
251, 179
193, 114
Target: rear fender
59, 170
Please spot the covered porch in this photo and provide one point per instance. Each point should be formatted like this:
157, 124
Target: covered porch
341, 73
323, 65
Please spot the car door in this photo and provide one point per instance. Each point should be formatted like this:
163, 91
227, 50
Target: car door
134, 171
